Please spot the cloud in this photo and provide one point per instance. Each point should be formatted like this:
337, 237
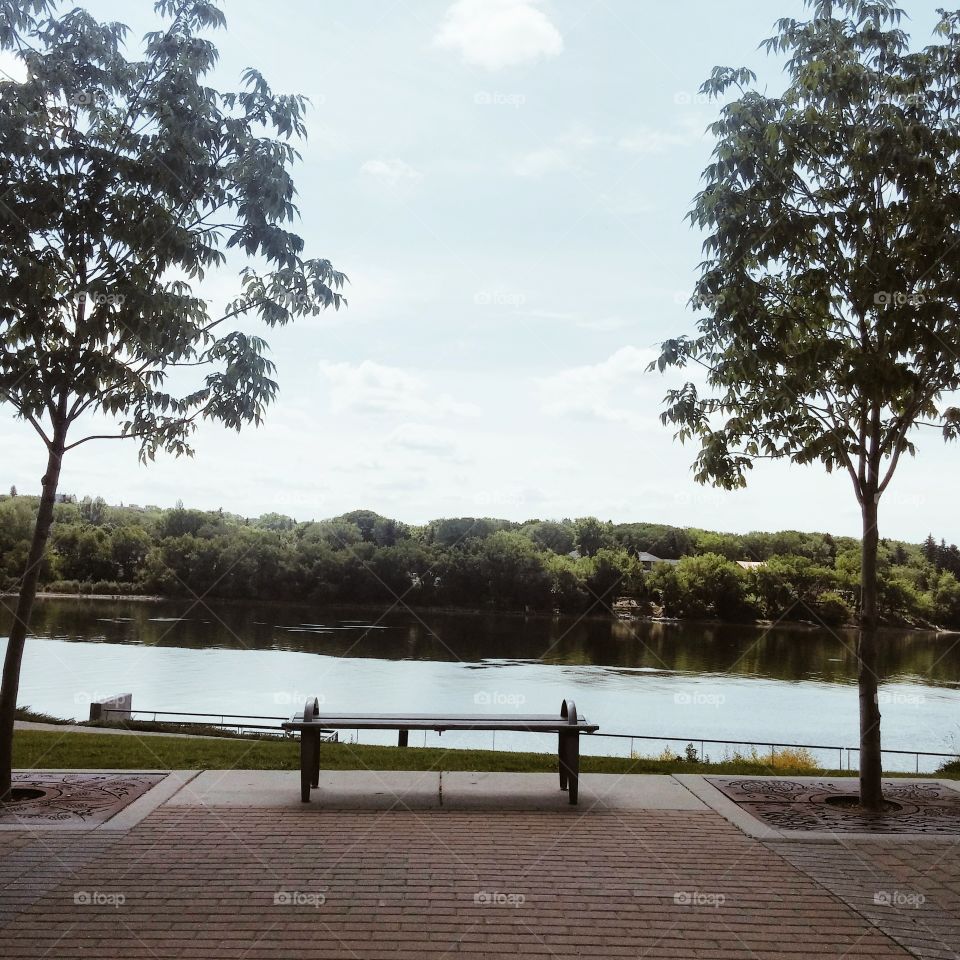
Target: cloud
392, 173
424, 438
605, 324
650, 140
370, 388
498, 33
647, 140
596, 391
538, 163
563, 154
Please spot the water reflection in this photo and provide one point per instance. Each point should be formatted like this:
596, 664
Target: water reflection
791, 653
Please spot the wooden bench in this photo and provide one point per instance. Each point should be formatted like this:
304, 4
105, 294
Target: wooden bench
568, 726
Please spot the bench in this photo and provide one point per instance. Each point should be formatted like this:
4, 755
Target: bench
568, 726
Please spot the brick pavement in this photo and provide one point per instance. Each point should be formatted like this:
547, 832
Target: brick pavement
910, 891
203, 883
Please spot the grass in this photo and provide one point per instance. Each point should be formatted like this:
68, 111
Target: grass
33, 749
52, 750
25, 713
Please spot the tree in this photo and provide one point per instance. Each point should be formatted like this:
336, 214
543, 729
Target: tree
591, 535
124, 181
831, 281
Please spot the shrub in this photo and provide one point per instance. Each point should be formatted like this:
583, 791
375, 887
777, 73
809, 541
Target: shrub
833, 610
795, 760
64, 586
108, 587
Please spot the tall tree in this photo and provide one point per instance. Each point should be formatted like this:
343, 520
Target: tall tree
122, 181
831, 283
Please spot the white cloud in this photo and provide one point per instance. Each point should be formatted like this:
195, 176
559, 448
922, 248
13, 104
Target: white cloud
561, 155
377, 389
498, 33
424, 438
538, 163
647, 140
605, 324
596, 391
392, 172
650, 140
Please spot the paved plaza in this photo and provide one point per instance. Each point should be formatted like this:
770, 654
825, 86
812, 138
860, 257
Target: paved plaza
229, 864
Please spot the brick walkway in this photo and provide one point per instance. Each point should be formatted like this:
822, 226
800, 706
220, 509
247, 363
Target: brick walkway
910, 891
191, 882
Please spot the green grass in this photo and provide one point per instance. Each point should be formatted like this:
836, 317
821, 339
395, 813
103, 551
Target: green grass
86, 750
52, 751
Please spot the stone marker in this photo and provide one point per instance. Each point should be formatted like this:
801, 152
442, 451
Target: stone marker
118, 707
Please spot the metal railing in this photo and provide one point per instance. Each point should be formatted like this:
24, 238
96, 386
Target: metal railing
843, 753
223, 723
773, 747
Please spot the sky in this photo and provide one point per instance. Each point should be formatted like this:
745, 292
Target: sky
505, 182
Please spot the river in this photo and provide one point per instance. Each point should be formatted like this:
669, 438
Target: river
788, 684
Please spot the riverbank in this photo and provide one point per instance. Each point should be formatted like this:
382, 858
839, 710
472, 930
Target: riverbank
615, 615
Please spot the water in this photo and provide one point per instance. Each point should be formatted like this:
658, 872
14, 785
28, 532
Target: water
787, 684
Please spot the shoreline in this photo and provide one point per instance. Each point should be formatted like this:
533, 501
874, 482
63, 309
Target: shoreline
803, 625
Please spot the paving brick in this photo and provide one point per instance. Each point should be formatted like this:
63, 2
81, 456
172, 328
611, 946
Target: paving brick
210, 883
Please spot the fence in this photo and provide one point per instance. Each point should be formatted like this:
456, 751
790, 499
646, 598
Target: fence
845, 755
766, 745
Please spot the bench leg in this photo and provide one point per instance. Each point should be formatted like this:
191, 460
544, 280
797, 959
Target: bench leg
307, 762
404, 738
570, 764
573, 765
563, 750
316, 760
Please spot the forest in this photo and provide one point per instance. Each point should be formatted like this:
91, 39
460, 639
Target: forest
571, 566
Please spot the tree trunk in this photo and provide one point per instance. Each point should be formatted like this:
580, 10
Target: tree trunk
21, 623
871, 771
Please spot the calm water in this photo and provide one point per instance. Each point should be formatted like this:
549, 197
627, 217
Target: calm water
792, 685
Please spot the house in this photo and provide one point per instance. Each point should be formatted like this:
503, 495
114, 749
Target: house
751, 564
647, 560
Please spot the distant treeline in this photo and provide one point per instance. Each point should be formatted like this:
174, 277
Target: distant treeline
573, 566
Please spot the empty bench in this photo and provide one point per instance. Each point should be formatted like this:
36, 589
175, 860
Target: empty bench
568, 725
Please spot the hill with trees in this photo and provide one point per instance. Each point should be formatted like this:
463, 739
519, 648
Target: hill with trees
573, 566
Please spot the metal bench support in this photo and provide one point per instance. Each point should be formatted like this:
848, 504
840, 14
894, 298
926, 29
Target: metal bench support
568, 726
568, 752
